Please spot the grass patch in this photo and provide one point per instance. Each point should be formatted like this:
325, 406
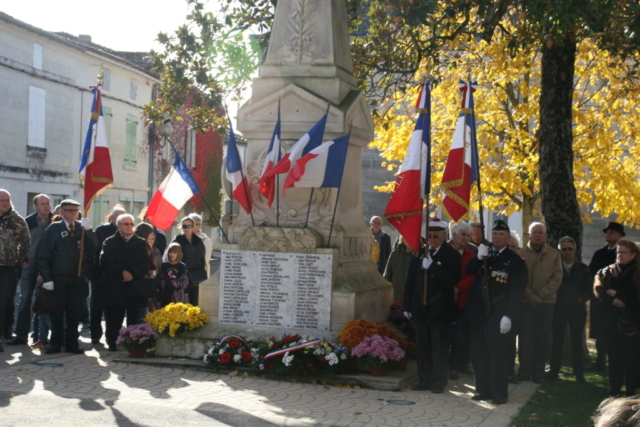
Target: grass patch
564, 403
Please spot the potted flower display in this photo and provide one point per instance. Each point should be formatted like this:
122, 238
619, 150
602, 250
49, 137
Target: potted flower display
378, 353
231, 351
176, 317
137, 339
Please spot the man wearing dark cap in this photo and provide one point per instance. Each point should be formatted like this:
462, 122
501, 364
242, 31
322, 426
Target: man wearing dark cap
433, 317
57, 259
493, 303
602, 258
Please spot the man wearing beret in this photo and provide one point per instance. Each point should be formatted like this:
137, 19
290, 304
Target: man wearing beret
442, 266
58, 258
499, 285
602, 258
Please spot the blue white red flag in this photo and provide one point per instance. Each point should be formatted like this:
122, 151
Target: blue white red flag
235, 174
308, 142
321, 167
404, 210
176, 190
462, 165
268, 184
95, 162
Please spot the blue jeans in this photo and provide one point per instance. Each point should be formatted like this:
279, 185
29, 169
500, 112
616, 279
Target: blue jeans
45, 325
27, 288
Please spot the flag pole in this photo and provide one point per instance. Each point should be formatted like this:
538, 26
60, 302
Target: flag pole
277, 189
215, 218
335, 208
423, 114
247, 194
306, 222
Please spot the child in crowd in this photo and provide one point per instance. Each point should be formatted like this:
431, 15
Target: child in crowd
41, 308
172, 277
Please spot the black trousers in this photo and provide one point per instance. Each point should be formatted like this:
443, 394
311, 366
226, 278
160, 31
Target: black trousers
114, 317
193, 290
432, 354
576, 317
459, 354
97, 309
624, 353
8, 285
489, 357
534, 336
67, 302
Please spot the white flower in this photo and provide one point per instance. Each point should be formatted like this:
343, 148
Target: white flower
262, 367
221, 352
206, 358
210, 352
332, 359
286, 359
237, 358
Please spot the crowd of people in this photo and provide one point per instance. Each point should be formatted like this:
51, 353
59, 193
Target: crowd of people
477, 305
69, 273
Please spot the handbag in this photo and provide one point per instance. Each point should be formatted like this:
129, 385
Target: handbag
144, 288
197, 275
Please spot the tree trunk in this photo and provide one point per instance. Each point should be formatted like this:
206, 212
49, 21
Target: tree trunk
559, 201
527, 217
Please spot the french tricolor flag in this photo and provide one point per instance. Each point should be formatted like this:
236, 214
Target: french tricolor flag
176, 190
95, 163
308, 142
320, 167
268, 184
239, 183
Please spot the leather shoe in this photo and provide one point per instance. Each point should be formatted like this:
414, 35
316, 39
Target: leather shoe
437, 390
416, 387
74, 350
523, 377
112, 347
537, 379
481, 397
499, 401
52, 350
16, 341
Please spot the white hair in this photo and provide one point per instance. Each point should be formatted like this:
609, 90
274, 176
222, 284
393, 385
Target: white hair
196, 217
125, 216
515, 235
458, 227
533, 224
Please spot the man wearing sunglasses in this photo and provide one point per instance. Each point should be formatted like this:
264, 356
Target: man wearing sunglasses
57, 259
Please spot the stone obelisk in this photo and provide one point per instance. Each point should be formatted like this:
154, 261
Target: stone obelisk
308, 69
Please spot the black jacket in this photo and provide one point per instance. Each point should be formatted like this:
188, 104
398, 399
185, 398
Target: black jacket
32, 220
507, 276
602, 258
576, 287
103, 232
385, 251
193, 254
443, 275
58, 252
117, 256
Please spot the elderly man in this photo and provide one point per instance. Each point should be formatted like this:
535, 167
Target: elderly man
37, 223
103, 232
383, 240
503, 283
57, 259
14, 246
434, 311
571, 309
459, 355
544, 269
124, 261
602, 258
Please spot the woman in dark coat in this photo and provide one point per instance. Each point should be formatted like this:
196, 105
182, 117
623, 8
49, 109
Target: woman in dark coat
124, 261
617, 288
193, 256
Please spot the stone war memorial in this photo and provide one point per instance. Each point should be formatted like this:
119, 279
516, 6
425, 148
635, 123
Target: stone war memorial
278, 275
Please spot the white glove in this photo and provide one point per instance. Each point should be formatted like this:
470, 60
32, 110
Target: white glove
85, 223
505, 325
426, 262
48, 286
483, 251
407, 314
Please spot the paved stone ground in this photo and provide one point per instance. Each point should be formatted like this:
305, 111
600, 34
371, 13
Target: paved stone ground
94, 389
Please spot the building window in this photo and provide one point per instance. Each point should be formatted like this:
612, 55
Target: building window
106, 79
100, 209
130, 145
133, 90
190, 155
56, 199
37, 56
37, 108
108, 116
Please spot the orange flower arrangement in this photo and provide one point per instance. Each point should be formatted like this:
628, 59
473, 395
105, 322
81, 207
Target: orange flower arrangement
355, 331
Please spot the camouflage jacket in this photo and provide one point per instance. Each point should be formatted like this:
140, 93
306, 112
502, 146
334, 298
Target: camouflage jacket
14, 239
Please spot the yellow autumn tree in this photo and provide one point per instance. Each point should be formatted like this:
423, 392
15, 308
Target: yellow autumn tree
606, 161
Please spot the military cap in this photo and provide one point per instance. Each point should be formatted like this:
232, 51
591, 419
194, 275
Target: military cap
69, 202
500, 225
